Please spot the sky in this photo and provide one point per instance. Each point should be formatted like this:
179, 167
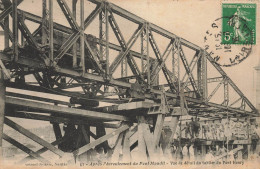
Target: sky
189, 19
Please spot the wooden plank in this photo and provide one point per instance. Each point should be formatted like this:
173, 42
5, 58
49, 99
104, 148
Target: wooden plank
141, 142
85, 129
32, 136
65, 110
173, 125
100, 140
158, 130
38, 98
5, 71
85, 133
100, 131
44, 149
27, 115
57, 130
118, 147
126, 147
149, 141
25, 149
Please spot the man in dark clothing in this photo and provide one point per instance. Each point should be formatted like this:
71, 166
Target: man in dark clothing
196, 127
192, 125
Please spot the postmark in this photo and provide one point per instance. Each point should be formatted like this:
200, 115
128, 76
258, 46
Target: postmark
225, 55
229, 39
238, 23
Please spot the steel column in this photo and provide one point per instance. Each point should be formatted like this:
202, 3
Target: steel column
44, 26
74, 50
176, 64
226, 93
82, 37
15, 31
51, 31
104, 36
6, 32
202, 75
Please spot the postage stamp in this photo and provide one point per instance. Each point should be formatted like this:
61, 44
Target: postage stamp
238, 23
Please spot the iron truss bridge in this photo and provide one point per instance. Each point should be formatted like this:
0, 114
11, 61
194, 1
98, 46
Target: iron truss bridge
94, 59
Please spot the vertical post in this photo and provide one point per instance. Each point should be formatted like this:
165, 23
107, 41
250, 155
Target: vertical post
44, 22
6, 31
57, 130
22, 19
82, 37
101, 131
173, 126
107, 39
176, 64
126, 147
104, 39
158, 131
2, 111
124, 67
147, 55
15, 31
202, 75
141, 142
142, 51
51, 30
74, 48
226, 93
101, 35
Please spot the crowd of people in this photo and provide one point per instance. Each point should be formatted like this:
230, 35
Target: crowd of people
222, 129
187, 152
220, 132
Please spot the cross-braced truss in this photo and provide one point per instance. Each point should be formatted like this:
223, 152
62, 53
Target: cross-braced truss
134, 71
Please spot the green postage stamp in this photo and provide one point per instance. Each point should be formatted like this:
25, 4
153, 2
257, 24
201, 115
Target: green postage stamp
239, 23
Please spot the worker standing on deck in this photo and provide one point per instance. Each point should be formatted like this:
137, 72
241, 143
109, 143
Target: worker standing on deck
213, 130
196, 127
187, 130
254, 137
204, 130
177, 133
221, 130
217, 127
191, 125
210, 134
227, 129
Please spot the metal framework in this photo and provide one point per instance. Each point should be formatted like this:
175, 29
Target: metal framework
60, 60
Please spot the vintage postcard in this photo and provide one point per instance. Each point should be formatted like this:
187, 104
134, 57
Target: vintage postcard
129, 84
